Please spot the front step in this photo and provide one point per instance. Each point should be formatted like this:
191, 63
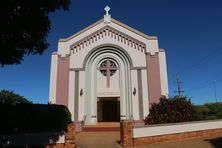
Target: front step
102, 127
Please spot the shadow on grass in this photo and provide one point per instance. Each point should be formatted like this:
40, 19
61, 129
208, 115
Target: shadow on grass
216, 142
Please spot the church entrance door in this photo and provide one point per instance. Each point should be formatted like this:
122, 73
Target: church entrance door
108, 110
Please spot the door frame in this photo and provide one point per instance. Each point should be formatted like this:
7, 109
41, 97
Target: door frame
100, 107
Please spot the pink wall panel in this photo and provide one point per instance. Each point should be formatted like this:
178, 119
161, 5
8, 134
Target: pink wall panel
62, 87
153, 78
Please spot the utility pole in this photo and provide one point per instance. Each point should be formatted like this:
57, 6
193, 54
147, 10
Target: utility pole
215, 90
179, 91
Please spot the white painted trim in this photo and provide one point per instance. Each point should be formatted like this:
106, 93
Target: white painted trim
111, 20
53, 78
163, 74
157, 130
150, 42
64, 47
91, 85
71, 93
145, 93
135, 99
134, 30
81, 98
138, 58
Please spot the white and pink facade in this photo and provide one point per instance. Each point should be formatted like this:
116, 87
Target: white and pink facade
108, 72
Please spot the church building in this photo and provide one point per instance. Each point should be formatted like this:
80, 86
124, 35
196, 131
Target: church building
108, 72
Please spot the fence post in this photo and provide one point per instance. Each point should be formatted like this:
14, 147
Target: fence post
126, 135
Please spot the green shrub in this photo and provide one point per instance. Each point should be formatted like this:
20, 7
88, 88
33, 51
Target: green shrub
215, 109
211, 117
201, 111
33, 117
172, 110
208, 111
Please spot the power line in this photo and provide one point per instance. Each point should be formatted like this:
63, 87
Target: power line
203, 85
198, 64
199, 86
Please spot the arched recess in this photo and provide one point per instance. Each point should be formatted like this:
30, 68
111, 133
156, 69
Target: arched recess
90, 66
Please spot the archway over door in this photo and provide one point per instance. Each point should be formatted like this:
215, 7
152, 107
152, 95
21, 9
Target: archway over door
93, 93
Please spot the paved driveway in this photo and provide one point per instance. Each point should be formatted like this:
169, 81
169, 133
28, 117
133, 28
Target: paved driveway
109, 140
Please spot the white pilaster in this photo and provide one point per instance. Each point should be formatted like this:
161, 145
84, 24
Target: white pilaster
71, 93
135, 99
82, 98
145, 93
163, 73
53, 78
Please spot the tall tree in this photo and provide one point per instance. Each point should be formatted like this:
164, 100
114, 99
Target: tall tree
11, 98
24, 27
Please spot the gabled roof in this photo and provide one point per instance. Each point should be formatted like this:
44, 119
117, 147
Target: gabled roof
114, 21
134, 30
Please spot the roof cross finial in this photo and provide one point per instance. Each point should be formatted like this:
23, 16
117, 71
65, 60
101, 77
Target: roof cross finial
107, 16
107, 9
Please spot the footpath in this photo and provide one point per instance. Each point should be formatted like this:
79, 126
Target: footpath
111, 140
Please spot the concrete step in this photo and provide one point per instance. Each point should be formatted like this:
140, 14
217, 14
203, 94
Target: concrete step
102, 127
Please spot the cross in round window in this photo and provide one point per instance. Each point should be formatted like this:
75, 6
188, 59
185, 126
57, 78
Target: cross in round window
108, 68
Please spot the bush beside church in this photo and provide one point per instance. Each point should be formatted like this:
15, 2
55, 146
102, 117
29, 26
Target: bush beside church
172, 110
18, 115
180, 109
33, 118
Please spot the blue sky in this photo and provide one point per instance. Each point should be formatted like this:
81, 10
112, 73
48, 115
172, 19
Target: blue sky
189, 31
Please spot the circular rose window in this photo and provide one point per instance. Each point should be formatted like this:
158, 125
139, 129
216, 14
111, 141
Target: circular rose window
108, 68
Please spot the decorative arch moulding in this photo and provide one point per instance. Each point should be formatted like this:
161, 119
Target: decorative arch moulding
111, 32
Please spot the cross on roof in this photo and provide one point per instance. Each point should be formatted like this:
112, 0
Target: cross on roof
107, 9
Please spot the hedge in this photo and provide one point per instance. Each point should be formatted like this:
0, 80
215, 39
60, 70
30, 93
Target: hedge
33, 118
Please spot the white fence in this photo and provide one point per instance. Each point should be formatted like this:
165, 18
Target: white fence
164, 129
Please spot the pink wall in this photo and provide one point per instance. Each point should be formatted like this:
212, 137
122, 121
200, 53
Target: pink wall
62, 85
153, 77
